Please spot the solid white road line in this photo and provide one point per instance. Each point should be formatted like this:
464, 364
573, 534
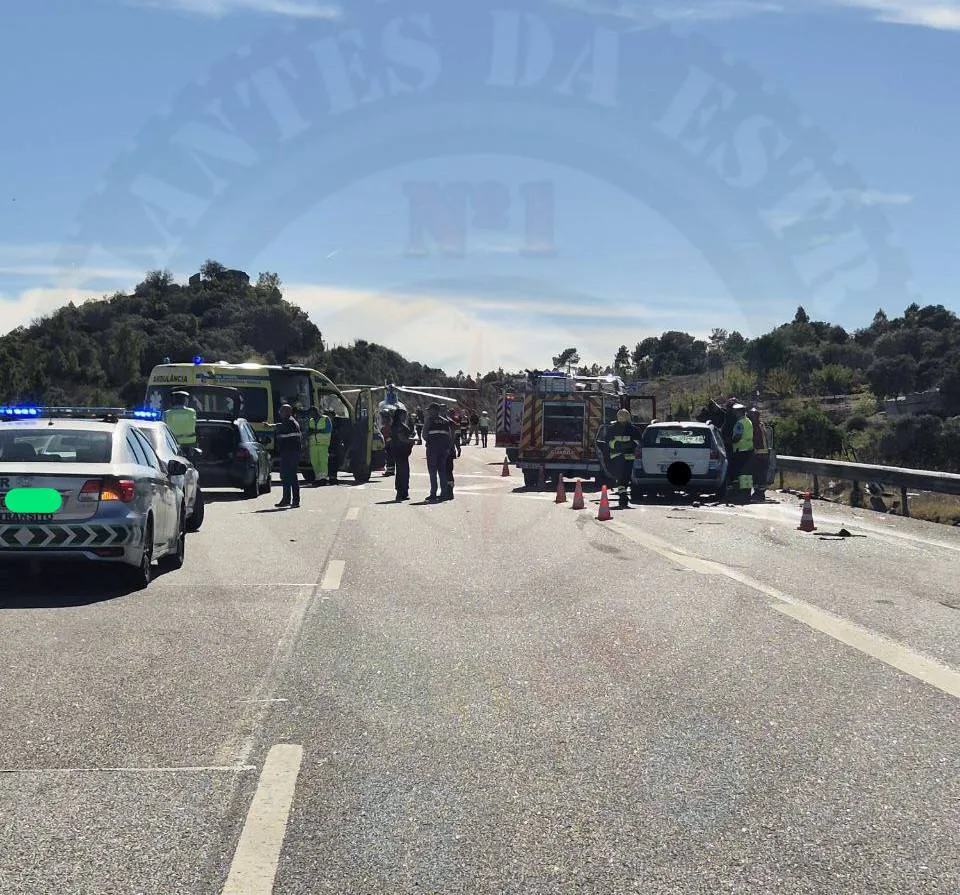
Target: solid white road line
255, 862
333, 575
878, 646
171, 770
353, 513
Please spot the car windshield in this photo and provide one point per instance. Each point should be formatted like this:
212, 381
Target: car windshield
677, 438
62, 446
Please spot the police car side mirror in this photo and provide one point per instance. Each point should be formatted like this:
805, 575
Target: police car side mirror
176, 467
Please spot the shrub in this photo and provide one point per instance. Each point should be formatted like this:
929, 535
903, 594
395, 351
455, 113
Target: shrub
857, 423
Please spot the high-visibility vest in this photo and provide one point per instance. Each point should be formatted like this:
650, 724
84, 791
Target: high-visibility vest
623, 444
182, 422
321, 428
743, 435
484, 422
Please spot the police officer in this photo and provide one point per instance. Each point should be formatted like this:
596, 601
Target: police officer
622, 440
740, 476
182, 421
288, 449
439, 437
484, 426
320, 427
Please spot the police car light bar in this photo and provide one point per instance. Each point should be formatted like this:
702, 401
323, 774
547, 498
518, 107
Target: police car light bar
40, 411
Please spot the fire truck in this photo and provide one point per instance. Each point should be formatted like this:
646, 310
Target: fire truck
560, 418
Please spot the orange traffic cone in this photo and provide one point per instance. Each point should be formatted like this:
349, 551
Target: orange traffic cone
561, 490
578, 497
505, 472
604, 514
806, 517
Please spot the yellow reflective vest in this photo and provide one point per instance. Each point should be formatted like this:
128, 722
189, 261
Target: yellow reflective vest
182, 422
743, 435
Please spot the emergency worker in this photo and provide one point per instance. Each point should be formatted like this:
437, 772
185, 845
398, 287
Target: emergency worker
289, 445
623, 439
385, 425
740, 465
400, 438
484, 426
439, 437
464, 430
418, 424
761, 462
182, 421
475, 427
320, 428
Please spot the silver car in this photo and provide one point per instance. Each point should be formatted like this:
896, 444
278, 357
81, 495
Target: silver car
168, 448
86, 484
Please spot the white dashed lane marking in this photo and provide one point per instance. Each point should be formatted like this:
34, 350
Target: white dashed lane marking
333, 575
255, 861
891, 652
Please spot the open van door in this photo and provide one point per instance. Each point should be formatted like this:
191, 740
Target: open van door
361, 444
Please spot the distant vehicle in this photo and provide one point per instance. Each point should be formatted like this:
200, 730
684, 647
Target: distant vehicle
233, 457
262, 389
679, 456
508, 425
167, 448
86, 484
564, 418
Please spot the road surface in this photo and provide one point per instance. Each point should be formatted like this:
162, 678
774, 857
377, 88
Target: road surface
493, 695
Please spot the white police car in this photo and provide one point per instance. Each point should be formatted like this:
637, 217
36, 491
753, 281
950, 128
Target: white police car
84, 484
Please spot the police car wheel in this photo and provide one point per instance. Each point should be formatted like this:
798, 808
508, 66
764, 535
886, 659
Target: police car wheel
140, 576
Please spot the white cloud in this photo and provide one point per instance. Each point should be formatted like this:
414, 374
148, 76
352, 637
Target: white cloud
302, 9
875, 197
942, 15
937, 14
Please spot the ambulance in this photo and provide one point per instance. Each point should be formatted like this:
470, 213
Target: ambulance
263, 388
562, 416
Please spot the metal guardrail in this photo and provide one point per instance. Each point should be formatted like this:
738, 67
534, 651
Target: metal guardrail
917, 479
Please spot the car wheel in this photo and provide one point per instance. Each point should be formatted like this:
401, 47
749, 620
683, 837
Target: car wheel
253, 489
141, 575
267, 485
196, 517
722, 492
636, 494
173, 561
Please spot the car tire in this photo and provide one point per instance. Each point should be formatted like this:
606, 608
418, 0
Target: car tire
267, 485
531, 478
636, 494
722, 492
196, 517
139, 577
252, 490
173, 561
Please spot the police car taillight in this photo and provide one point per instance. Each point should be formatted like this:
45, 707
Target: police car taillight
123, 490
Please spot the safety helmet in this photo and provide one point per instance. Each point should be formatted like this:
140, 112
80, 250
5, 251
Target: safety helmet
623, 415
183, 395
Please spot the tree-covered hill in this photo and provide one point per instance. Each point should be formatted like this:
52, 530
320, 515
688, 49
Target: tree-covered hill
102, 351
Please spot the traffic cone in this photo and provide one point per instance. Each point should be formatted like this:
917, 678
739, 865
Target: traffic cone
505, 472
604, 514
806, 517
561, 490
578, 497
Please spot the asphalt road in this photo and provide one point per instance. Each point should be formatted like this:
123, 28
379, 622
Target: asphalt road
493, 695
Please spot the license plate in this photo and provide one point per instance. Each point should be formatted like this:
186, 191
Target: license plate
26, 517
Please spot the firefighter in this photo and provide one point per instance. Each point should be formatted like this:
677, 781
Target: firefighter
761, 463
402, 446
439, 437
182, 421
739, 475
623, 440
320, 427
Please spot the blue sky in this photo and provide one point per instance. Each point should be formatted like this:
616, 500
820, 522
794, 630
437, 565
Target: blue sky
656, 249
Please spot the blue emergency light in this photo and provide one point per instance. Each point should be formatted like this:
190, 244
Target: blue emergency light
20, 411
147, 414
198, 360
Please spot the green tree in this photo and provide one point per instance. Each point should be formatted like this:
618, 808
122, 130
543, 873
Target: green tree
832, 379
892, 375
621, 362
808, 433
566, 359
